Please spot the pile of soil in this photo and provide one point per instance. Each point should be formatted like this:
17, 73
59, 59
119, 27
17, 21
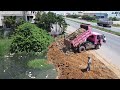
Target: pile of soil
72, 65
77, 32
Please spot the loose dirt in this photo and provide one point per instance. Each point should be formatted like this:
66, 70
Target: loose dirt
70, 65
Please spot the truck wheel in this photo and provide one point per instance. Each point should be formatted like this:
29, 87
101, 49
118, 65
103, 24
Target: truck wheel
104, 25
98, 24
97, 46
81, 49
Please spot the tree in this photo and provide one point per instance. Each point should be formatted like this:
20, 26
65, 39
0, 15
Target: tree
86, 17
46, 20
73, 16
113, 19
10, 21
29, 38
61, 22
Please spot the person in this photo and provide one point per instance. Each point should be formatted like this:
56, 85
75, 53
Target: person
104, 38
89, 63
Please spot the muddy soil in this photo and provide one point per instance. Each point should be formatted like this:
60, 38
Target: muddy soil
70, 65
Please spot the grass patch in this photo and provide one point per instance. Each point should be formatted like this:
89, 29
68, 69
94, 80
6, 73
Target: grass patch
39, 64
106, 30
94, 21
102, 29
4, 46
116, 25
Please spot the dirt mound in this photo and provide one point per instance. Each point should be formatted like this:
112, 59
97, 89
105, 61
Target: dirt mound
72, 65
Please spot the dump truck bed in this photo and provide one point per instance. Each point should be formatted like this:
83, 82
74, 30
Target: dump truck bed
78, 37
76, 33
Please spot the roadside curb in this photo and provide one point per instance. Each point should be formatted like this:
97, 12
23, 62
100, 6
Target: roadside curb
111, 66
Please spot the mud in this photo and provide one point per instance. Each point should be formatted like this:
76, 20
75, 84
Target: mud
72, 65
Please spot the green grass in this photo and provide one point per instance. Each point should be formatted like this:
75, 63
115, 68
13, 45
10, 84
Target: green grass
39, 64
106, 30
94, 21
116, 25
102, 29
4, 46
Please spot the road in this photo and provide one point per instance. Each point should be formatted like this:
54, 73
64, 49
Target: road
110, 50
117, 29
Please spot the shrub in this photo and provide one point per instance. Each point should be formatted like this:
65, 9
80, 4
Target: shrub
86, 17
4, 46
73, 16
38, 64
29, 38
1, 33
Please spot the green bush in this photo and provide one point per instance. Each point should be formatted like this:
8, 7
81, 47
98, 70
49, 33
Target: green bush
86, 17
114, 19
73, 16
29, 38
38, 64
1, 33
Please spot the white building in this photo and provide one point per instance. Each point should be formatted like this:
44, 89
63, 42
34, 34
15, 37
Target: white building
30, 15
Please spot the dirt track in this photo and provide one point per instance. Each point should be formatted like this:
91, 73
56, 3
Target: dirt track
72, 65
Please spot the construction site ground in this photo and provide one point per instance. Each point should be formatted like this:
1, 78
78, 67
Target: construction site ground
70, 65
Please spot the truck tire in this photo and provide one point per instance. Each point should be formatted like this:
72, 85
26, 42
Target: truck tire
81, 49
98, 24
104, 25
97, 46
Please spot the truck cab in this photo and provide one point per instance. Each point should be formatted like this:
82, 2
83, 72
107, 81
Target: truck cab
96, 39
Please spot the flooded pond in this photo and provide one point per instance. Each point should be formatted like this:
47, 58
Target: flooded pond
15, 67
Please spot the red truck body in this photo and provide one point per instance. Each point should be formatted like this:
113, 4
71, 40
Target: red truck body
80, 39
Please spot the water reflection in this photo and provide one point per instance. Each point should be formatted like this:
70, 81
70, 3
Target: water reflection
15, 67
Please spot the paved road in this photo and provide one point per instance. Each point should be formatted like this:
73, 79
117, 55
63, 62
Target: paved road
110, 50
117, 29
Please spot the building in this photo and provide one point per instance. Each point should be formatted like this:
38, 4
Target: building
114, 14
28, 15
98, 15
80, 13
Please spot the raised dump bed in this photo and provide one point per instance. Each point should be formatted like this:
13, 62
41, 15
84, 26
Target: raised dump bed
76, 33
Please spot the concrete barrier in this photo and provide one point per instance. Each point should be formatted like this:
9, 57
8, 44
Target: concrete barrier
116, 22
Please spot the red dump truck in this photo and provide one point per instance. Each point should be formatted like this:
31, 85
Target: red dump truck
83, 38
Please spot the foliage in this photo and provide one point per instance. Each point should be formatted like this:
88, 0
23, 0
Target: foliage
4, 46
29, 38
113, 19
46, 20
73, 16
1, 33
39, 64
11, 23
86, 17
20, 21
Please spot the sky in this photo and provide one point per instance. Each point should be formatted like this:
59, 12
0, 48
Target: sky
108, 12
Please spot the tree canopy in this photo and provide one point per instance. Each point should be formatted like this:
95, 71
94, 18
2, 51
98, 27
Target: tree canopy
45, 20
29, 38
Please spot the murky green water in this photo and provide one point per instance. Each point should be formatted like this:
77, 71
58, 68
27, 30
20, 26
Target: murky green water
16, 68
